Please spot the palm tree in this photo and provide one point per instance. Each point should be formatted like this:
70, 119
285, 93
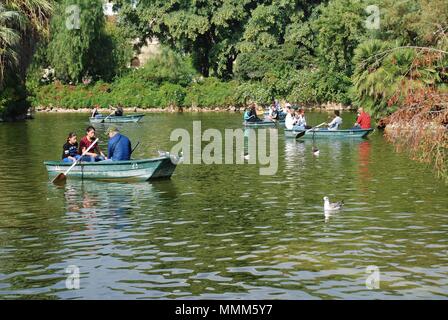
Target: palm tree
11, 23
37, 12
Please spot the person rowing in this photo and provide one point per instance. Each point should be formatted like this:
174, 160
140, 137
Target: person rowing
336, 122
95, 154
251, 115
96, 113
119, 111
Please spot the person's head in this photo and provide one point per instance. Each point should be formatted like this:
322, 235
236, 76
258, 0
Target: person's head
301, 111
71, 138
90, 132
112, 131
337, 113
360, 110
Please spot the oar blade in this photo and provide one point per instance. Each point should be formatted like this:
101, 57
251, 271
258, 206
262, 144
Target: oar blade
60, 179
300, 134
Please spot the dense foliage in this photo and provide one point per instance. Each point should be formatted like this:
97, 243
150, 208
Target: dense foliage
22, 24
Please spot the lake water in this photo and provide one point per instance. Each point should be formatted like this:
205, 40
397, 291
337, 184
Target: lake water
221, 231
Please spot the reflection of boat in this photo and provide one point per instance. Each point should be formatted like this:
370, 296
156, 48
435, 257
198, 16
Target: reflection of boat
140, 170
258, 124
325, 133
117, 119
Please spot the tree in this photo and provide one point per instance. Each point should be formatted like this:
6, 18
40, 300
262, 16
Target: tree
77, 40
22, 24
214, 32
9, 39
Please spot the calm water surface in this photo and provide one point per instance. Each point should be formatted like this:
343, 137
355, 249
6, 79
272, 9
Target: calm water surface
221, 231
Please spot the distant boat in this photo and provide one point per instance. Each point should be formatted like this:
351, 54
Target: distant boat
325, 133
135, 170
117, 119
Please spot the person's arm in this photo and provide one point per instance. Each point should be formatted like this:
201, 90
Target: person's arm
84, 148
332, 123
99, 150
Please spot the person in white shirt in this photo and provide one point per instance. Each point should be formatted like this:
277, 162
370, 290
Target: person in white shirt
290, 121
336, 122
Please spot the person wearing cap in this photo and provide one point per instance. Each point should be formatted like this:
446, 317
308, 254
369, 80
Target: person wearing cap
119, 146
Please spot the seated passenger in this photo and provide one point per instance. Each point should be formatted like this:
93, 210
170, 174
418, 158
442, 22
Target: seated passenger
119, 146
70, 149
336, 122
363, 121
290, 121
273, 113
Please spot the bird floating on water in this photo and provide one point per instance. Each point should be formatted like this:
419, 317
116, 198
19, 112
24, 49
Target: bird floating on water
328, 206
315, 151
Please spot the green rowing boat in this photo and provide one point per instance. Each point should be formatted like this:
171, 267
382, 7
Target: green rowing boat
325, 133
117, 119
135, 170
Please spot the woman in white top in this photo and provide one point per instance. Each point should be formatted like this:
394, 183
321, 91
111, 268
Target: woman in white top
290, 120
336, 122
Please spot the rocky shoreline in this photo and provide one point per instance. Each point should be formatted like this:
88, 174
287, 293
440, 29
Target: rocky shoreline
172, 109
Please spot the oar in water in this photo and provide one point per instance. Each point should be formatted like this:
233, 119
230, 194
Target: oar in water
135, 147
60, 178
302, 133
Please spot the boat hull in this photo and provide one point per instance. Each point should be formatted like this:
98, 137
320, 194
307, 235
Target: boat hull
260, 124
139, 170
115, 119
324, 133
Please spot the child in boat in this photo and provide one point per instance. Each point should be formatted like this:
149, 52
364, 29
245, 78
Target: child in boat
70, 149
336, 122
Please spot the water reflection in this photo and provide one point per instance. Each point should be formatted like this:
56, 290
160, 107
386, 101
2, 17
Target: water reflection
222, 231
364, 174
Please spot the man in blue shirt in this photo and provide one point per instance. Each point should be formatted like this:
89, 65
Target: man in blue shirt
119, 147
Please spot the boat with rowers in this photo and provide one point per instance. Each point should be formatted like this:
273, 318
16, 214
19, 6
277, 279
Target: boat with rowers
135, 170
325, 133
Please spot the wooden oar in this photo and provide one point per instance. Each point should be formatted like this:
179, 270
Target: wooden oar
102, 121
135, 147
302, 133
60, 178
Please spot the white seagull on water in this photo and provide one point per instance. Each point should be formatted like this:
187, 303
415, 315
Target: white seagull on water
328, 206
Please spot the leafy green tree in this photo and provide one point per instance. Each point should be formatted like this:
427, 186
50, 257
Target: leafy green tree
78, 40
214, 32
